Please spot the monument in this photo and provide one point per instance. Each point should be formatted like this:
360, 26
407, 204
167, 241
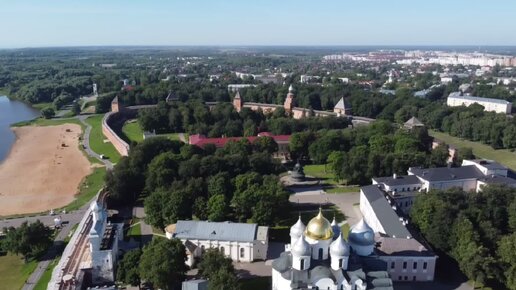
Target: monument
297, 174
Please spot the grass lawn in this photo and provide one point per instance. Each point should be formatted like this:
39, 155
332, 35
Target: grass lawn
41, 106
260, 283
49, 122
319, 171
14, 272
135, 230
133, 132
343, 189
88, 188
97, 143
173, 136
480, 150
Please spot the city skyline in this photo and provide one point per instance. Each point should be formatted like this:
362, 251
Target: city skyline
268, 23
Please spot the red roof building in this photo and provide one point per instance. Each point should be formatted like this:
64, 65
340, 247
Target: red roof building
283, 141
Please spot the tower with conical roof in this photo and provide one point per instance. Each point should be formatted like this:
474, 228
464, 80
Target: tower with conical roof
238, 104
289, 101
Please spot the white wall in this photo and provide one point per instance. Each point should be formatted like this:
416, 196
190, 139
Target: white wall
419, 273
369, 214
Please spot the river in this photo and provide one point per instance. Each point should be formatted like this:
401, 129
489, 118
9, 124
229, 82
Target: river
12, 111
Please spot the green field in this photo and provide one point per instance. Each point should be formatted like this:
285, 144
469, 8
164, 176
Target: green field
480, 150
97, 138
14, 272
132, 132
318, 170
48, 122
342, 189
88, 188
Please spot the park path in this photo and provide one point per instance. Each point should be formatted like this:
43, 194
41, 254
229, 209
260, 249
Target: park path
70, 219
86, 143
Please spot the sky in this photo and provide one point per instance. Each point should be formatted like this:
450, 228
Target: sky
42, 23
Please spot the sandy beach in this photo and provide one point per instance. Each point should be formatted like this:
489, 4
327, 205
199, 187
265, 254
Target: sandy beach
43, 169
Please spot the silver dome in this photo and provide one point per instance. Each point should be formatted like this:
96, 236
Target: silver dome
301, 247
297, 229
339, 247
361, 234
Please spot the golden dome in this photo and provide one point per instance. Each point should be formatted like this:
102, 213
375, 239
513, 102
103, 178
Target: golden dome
319, 228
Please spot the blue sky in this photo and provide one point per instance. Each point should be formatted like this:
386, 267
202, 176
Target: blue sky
33, 23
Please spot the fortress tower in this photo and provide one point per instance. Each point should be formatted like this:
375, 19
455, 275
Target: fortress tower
289, 101
238, 104
115, 105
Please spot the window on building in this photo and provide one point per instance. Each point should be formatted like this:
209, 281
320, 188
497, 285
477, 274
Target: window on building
414, 278
415, 265
302, 264
340, 263
425, 265
242, 252
406, 278
393, 264
404, 265
320, 254
399, 278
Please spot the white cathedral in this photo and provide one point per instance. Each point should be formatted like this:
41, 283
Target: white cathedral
318, 257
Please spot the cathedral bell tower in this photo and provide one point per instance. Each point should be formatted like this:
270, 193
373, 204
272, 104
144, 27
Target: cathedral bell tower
237, 102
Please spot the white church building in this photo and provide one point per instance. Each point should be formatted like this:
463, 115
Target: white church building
239, 241
318, 257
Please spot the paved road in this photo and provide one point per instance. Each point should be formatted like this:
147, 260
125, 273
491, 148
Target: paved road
86, 142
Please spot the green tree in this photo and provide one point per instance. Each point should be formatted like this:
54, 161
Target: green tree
76, 108
224, 280
29, 240
217, 208
212, 261
128, 268
507, 254
162, 263
48, 113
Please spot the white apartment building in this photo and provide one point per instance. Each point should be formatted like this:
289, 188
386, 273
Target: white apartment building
455, 99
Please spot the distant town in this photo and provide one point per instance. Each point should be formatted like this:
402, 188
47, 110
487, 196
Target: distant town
282, 168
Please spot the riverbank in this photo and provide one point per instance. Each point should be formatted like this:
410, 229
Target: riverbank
43, 169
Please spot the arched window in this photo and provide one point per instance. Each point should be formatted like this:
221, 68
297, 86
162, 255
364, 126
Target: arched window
222, 250
320, 253
242, 252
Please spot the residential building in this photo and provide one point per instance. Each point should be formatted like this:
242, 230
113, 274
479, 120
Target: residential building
238, 241
491, 105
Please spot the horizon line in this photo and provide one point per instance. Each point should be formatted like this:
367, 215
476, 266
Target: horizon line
257, 45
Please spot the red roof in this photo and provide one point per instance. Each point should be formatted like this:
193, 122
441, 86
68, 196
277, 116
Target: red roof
201, 140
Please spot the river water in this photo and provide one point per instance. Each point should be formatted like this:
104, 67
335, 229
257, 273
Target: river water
12, 111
